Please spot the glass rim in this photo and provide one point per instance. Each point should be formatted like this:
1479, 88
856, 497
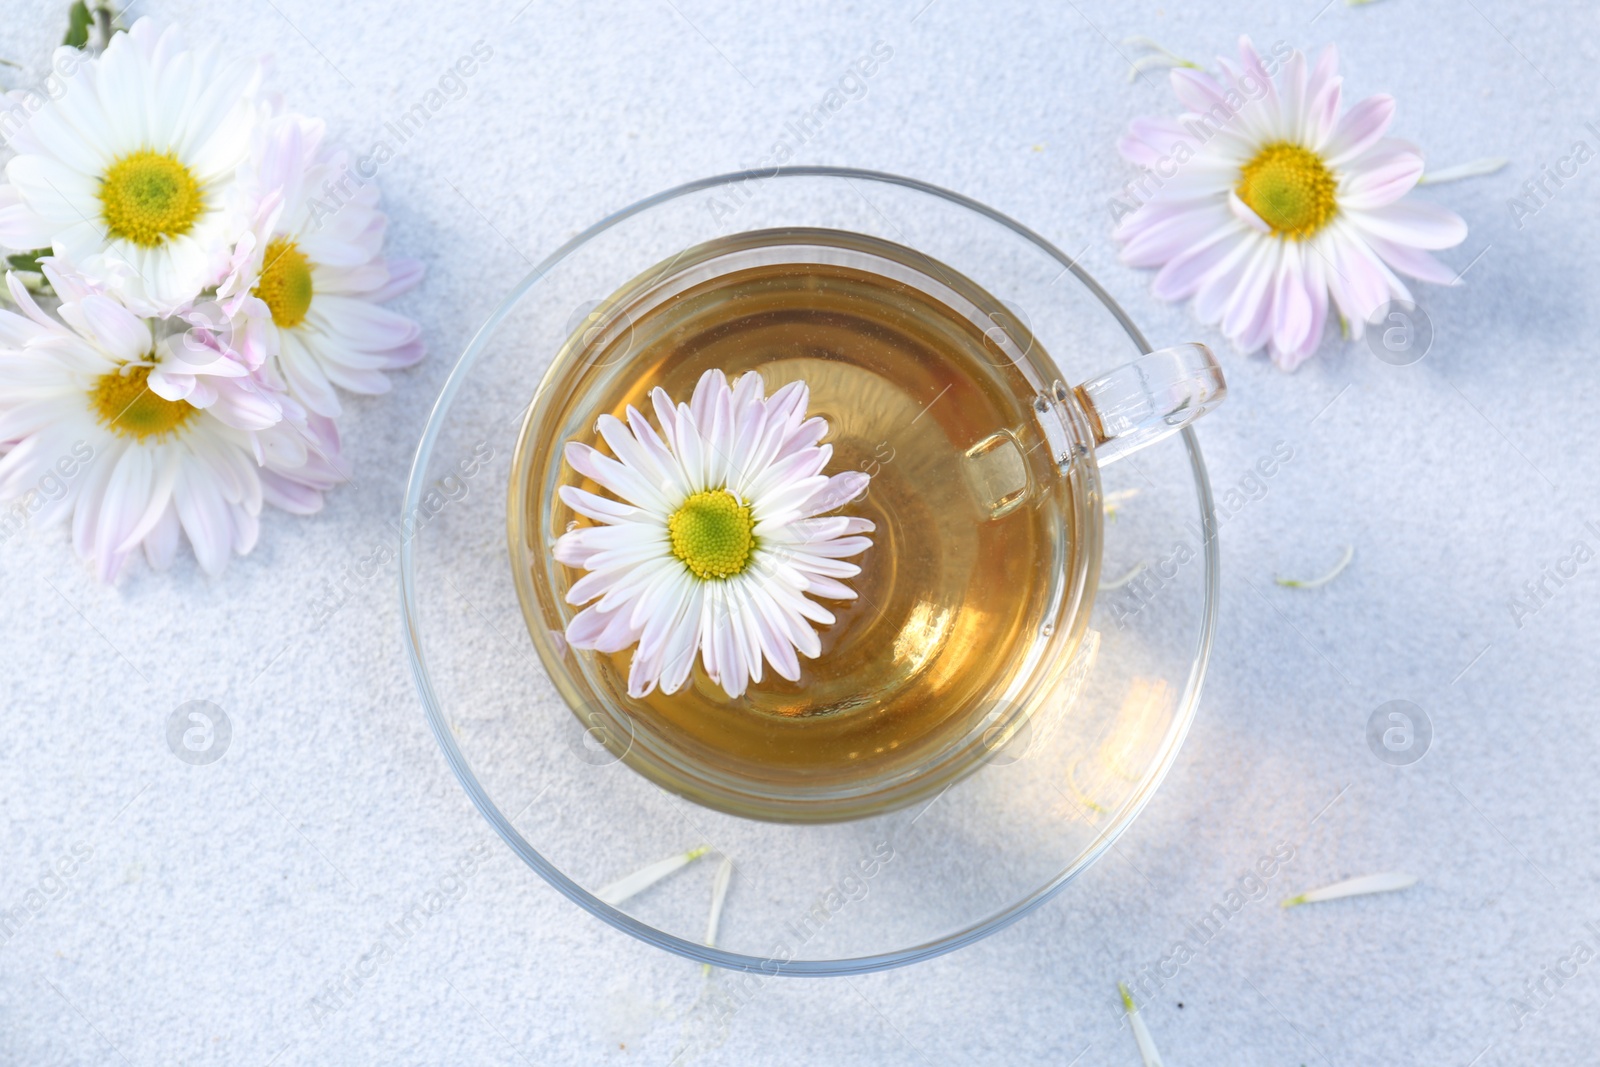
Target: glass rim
411, 618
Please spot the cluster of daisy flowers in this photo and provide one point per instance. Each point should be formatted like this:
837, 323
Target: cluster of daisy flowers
1268, 205
191, 309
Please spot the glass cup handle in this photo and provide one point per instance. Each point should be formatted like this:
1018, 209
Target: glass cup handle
1155, 396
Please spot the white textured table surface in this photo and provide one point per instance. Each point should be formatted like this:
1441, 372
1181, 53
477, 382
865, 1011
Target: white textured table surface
208, 905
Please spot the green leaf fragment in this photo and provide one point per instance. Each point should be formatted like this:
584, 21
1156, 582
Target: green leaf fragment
78, 22
28, 260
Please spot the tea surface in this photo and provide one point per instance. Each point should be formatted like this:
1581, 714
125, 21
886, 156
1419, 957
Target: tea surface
956, 587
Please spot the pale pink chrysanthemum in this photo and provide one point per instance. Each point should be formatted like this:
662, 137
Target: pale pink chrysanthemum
719, 539
1262, 202
165, 429
306, 280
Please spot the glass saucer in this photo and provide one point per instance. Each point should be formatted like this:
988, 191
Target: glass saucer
818, 899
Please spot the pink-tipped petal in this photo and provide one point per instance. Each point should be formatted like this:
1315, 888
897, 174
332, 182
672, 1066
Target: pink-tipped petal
1417, 223
1360, 128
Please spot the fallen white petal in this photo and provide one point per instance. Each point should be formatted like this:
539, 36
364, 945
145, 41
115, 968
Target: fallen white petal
1113, 501
1144, 63
1138, 569
642, 879
719, 896
1141, 1033
1474, 169
1371, 883
1316, 583
1162, 57
1140, 41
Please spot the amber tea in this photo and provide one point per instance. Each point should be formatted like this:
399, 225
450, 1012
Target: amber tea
974, 584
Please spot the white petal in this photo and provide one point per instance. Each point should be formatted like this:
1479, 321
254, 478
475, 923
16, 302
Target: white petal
622, 480
781, 484
1413, 222
652, 444
631, 885
120, 332
677, 660
1249, 311
748, 390
733, 668
666, 415
776, 643
1414, 262
1155, 246
1382, 176
643, 461
91, 497
1199, 91
1372, 883
1148, 1055
659, 625
840, 490
1184, 275
692, 454
1221, 287
161, 543
598, 507
600, 631
1291, 304
1243, 212
1359, 129
1358, 279
711, 385
205, 518
719, 896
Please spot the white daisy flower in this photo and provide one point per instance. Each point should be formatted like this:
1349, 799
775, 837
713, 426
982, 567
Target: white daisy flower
1263, 202
312, 274
718, 539
129, 175
183, 435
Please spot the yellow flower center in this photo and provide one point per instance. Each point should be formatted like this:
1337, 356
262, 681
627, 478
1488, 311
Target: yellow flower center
125, 403
713, 533
1290, 188
147, 197
285, 284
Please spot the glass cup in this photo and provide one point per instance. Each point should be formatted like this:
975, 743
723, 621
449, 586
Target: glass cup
884, 736
1027, 804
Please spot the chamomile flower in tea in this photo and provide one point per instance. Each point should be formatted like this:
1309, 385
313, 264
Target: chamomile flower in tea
717, 539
